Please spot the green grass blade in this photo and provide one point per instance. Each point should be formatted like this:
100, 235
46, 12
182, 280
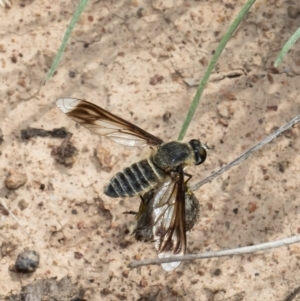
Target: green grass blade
63, 45
211, 66
288, 45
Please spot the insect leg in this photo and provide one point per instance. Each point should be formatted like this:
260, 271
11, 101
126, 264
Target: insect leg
130, 212
189, 177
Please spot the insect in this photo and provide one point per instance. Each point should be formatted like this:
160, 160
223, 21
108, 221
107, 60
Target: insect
168, 207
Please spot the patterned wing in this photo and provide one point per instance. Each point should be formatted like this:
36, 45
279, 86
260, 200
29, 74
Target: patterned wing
161, 218
106, 124
169, 229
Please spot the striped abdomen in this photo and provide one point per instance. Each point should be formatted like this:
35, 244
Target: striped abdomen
135, 179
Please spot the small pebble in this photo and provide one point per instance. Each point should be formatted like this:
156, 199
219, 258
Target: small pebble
217, 272
78, 255
252, 207
72, 74
293, 12
15, 179
223, 122
22, 204
143, 283
154, 80
125, 273
223, 110
27, 261
166, 117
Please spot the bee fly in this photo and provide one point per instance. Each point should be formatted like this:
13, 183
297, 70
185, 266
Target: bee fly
168, 208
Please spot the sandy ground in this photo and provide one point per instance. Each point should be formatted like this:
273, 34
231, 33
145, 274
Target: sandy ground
114, 52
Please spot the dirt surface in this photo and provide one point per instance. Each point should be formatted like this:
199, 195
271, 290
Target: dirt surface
142, 60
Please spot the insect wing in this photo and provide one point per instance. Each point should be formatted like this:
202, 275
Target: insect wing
169, 229
143, 228
106, 124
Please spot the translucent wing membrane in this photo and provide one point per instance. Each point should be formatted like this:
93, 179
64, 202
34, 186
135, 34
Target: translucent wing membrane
162, 218
106, 124
169, 220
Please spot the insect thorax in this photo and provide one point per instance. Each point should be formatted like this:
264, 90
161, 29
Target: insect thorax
173, 154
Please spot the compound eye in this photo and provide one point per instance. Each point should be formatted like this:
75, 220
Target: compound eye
200, 156
199, 151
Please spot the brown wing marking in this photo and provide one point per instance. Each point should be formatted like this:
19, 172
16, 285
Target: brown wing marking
169, 229
106, 124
